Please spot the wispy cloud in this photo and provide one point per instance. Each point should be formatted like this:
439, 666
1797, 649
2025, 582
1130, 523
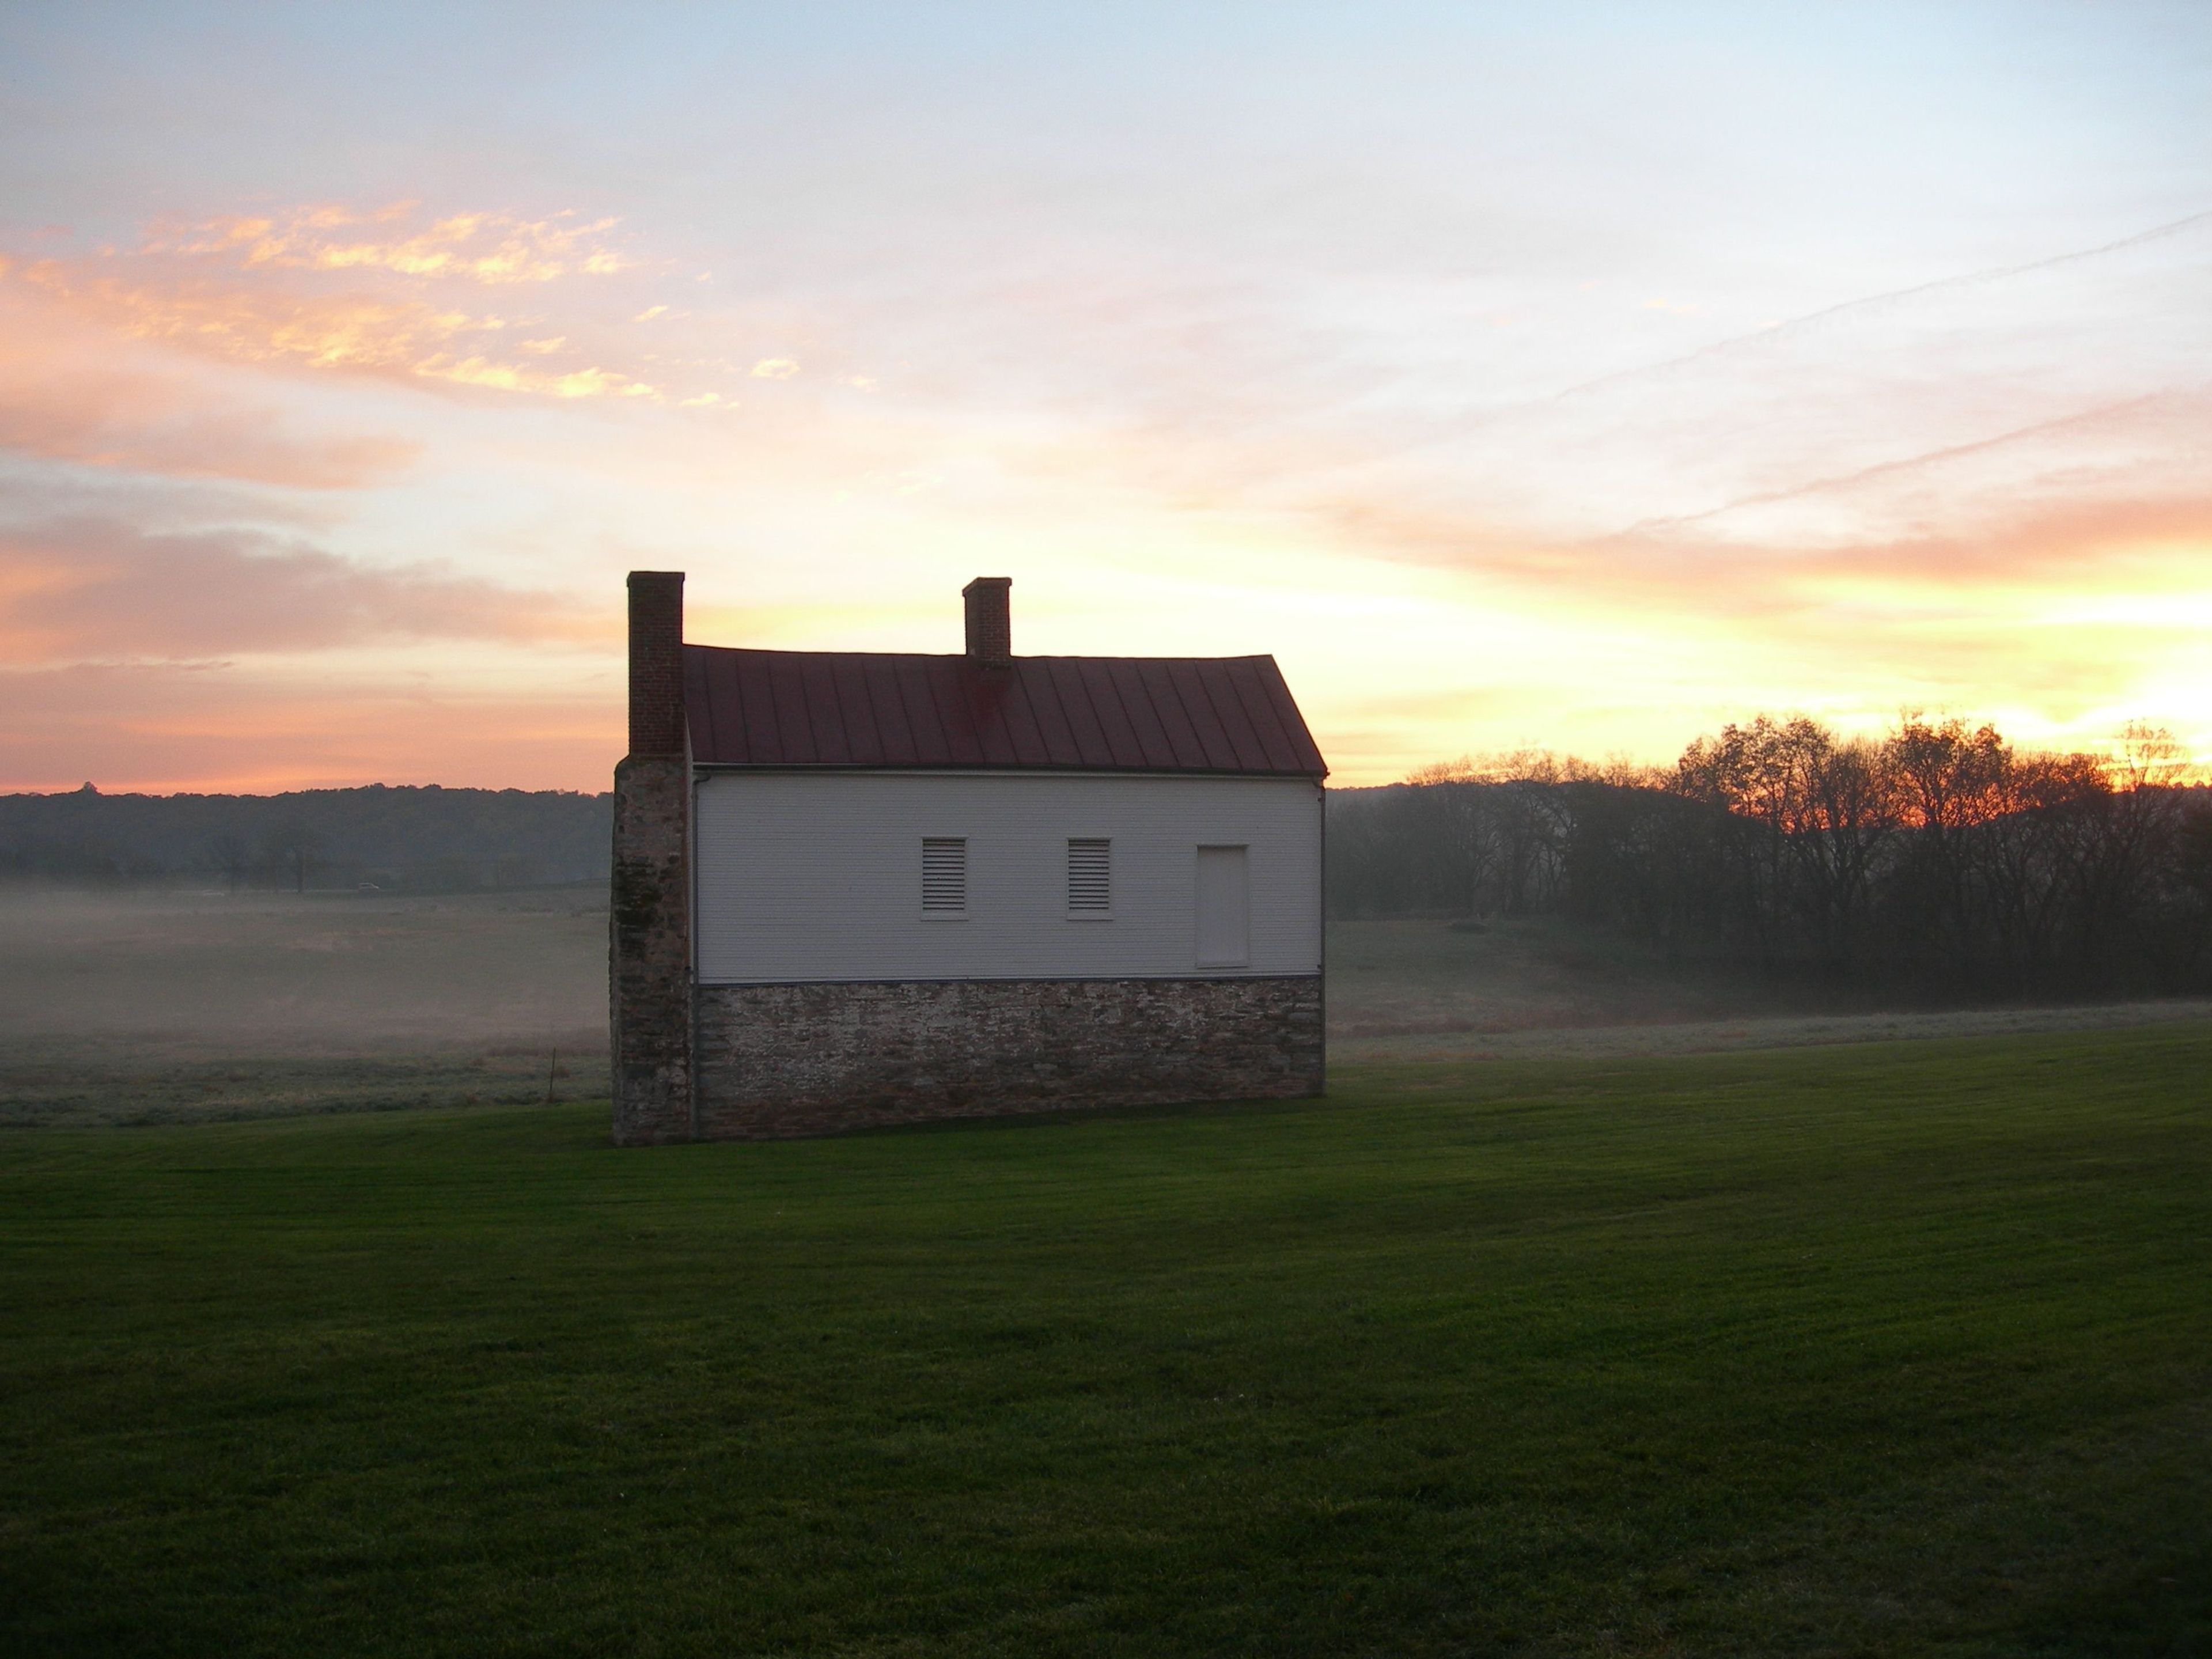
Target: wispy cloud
1786, 329
495, 249
68, 395
345, 292
2106, 416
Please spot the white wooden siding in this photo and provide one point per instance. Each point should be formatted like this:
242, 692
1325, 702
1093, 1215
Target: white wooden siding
818, 875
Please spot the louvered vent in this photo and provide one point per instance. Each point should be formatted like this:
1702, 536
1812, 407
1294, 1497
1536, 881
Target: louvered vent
944, 876
1090, 877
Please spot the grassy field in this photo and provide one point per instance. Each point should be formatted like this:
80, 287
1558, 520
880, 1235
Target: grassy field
1899, 1349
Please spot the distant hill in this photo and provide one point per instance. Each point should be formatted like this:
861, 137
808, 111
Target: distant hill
414, 839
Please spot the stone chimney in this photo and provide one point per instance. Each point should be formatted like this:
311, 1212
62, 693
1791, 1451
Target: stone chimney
649, 907
990, 629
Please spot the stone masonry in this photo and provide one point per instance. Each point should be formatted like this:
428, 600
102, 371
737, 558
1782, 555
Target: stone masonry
649, 909
778, 1060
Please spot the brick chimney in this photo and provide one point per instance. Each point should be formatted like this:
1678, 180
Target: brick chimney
649, 905
990, 629
656, 662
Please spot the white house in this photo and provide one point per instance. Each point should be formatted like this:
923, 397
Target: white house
857, 888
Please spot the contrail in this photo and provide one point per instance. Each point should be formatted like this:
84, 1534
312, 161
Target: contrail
1903, 465
1792, 324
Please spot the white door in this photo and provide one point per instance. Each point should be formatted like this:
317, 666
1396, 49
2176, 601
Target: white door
1225, 909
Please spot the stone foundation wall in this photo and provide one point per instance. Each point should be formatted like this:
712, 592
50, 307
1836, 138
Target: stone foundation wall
803, 1059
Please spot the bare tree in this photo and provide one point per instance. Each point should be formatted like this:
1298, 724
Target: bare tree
291, 847
229, 853
1939, 858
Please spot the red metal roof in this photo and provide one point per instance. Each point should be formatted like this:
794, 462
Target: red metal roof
1079, 713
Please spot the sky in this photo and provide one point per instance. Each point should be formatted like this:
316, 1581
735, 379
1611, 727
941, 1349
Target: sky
1577, 377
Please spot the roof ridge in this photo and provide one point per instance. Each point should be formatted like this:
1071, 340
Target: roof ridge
957, 656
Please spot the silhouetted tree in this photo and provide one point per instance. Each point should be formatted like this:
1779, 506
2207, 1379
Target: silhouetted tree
1939, 857
231, 855
290, 847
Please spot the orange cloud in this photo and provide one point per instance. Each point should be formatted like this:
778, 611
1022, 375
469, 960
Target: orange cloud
492, 248
294, 289
2108, 538
399, 339
120, 421
224, 727
90, 588
68, 395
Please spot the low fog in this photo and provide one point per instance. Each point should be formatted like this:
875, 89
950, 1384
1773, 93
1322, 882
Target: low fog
260, 973
144, 1006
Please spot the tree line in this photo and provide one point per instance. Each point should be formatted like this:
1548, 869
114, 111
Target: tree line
404, 839
1939, 858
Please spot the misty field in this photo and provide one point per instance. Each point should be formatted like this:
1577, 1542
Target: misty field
128, 1008
170, 1007
1874, 1350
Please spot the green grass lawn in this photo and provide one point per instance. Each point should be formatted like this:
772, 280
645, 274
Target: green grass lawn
1885, 1350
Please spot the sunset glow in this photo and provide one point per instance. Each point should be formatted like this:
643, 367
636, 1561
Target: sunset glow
1580, 385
